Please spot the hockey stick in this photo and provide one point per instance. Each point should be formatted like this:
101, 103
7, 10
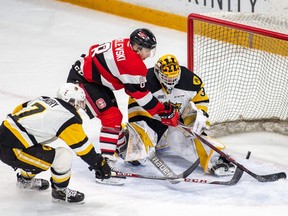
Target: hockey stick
135, 175
261, 178
236, 177
182, 177
234, 180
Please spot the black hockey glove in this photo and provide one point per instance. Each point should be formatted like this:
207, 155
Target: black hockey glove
169, 116
101, 167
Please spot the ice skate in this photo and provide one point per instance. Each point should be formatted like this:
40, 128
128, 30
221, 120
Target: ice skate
223, 167
67, 195
33, 184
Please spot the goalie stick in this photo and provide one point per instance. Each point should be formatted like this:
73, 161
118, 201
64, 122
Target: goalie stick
261, 178
167, 171
163, 168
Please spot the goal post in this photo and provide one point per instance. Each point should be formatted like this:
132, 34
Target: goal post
243, 62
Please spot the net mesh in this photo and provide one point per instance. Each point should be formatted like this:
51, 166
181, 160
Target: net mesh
244, 72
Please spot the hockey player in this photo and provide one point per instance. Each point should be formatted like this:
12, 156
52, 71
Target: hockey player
33, 124
173, 84
112, 66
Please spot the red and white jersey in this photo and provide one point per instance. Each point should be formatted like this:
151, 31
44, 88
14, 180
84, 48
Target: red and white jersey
115, 65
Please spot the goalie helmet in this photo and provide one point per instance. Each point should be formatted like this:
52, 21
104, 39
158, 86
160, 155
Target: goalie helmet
168, 71
144, 38
73, 94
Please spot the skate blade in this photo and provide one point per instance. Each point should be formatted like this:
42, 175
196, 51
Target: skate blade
66, 202
117, 181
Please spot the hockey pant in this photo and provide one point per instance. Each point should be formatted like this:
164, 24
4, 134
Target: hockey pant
36, 159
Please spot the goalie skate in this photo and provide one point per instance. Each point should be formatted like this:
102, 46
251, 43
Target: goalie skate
223, 167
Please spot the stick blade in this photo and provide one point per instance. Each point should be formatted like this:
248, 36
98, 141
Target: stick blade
234, 180
271, 177
190, 169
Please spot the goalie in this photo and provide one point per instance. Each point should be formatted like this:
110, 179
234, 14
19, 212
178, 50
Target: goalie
183, 94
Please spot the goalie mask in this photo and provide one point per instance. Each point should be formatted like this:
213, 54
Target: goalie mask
168, 71
73, 94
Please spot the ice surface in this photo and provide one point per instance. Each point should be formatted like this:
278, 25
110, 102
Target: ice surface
39, 41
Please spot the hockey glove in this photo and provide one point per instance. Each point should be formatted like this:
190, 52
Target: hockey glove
101, 168
169, 116
201, 122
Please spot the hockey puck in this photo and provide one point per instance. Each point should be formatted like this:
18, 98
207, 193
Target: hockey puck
248, 155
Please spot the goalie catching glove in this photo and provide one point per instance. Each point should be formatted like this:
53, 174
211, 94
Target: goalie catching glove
101, 168
169, 116
196, 118
201, 122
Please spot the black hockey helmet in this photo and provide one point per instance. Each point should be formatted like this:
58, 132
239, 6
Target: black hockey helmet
144, 38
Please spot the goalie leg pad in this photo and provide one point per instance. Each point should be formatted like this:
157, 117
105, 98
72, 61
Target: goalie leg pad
141, 140
181, 144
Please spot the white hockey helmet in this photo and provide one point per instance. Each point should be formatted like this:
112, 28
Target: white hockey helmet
73, 94
168, 71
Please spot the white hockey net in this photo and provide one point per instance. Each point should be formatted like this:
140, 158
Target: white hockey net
243, 62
